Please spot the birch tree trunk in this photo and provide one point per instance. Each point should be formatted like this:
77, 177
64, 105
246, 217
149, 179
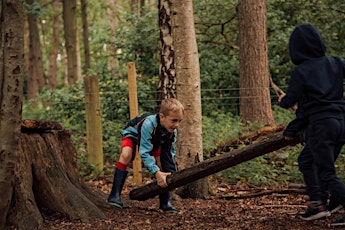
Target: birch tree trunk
255, 102
189, 144
167, 71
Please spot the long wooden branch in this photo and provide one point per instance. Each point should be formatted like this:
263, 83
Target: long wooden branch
228, 145
210, 166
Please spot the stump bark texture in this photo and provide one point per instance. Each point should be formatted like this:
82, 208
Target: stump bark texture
47, 178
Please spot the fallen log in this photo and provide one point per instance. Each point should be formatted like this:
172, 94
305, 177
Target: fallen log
210, 166
246, 139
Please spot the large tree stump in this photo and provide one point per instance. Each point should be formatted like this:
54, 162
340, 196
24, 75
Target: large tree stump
47, 178
210, 166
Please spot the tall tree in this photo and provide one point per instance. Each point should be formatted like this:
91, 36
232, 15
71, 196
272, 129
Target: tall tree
87, 63
188, 91
134, 6
36, 80
55, 41
255, 102
113, 62
70, 29
11, 96
167, 71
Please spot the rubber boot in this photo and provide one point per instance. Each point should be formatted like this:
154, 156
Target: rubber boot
114, 198
164, 203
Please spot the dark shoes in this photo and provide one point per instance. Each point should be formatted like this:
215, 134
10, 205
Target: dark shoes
340, 222
169, 208
115, 203
315, 210
114, 198
164, 203
334, 205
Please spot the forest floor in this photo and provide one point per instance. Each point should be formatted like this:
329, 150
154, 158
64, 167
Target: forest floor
275, 210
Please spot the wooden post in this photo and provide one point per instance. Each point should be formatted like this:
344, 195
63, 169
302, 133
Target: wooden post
93, 124
133, 109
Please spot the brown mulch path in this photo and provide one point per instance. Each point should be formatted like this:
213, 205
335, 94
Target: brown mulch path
269, 212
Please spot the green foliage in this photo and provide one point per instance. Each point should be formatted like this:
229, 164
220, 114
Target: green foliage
137, 41
217, 39
218, 55
67, 106
218, 128
34, 9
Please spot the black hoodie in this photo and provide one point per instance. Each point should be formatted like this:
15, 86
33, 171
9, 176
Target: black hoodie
316, 82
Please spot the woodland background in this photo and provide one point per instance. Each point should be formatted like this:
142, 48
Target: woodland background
107, 35
127, 31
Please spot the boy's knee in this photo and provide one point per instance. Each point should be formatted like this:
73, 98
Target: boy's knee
126, 157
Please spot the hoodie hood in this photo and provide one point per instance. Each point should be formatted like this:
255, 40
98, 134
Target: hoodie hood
305, 43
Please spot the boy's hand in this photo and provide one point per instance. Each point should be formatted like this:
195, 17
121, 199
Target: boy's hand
162, 179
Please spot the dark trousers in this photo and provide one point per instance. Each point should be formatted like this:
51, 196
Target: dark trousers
309, 170
326, 138
167, 161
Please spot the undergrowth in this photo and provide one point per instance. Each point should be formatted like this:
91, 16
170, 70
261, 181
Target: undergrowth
272, 169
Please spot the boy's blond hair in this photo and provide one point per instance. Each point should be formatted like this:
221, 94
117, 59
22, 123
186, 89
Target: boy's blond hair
171, 105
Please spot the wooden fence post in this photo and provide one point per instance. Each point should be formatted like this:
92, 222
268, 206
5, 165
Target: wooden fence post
133, 109
93, 124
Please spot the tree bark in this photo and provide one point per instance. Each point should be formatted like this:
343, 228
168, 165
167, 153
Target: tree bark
87, 63
188, 91
167, 71
36, 81
205, 168
255, 101
70, 29
47, 179
11, 96
112, 21
55, 45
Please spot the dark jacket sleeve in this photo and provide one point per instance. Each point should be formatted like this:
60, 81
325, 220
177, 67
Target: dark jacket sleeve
294, 127
294, 92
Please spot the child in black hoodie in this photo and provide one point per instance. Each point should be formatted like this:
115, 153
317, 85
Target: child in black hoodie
316, 84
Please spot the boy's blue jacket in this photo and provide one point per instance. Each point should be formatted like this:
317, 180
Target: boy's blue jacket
149, 135
316, 82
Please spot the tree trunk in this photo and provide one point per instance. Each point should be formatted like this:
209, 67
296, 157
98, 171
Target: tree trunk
11, 96
87, 64
255, 102
47, 178
133, 4
36, 81
167, 71
189, 142
113, 62
70, 29
55, 45
207, 167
